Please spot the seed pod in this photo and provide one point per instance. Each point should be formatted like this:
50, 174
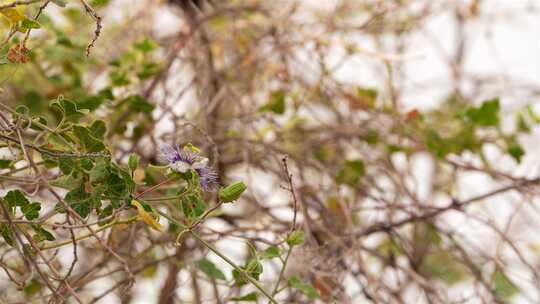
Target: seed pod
232, 192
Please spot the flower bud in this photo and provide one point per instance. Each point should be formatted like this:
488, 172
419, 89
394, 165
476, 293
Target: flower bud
232, 192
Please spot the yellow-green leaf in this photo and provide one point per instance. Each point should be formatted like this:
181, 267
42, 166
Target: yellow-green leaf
147, 217
14, 14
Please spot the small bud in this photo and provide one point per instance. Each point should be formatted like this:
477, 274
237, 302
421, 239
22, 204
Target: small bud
133, 162
232, 192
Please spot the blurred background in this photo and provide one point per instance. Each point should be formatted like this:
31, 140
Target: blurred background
410, 129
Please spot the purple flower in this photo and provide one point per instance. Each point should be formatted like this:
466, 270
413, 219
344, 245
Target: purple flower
182, 160
208, 178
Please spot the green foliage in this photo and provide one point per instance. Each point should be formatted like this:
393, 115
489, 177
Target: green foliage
516, 151
367, 96
16, 198
92, 125
296, 238
467, 130
305, 288
351, 172
253, 268
61, 3
250, 297
276, 103
5, 163
270, 253
145, 46
443, 266
192, 206
90, 181
7, 234
389, 248
210, 269
503, 287
139, 104
87, 139
69, 110
42, 234
32, 288
486, 115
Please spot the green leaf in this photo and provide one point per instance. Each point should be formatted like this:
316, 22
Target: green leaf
437, 145
86, 164
250, 297
57, 142
42, 234
31, 211
210, 269
303, 287
119, 182
98, 129
34, 101
296, 238
87, 140
100, 172
276, 103
139, 104
371, 137
503, 287
239, 277
148, 70
147, 215
67, 181
5, 163
516, 151
14, 15
485, 115
192, 206
351, 172
270, 253
68, 108
99, 3
145, 46
23, 110
133, 162
104, 213
254, 268
30, 24
521, 124
390, 248
7, 234
15, 198
61, 3
442, 265
32, 288
66, 164
367, 96
91, 103
81, 201
119, 79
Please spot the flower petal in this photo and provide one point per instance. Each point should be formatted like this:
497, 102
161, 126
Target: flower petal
169, 152
200, 163
208, 178
180, 166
